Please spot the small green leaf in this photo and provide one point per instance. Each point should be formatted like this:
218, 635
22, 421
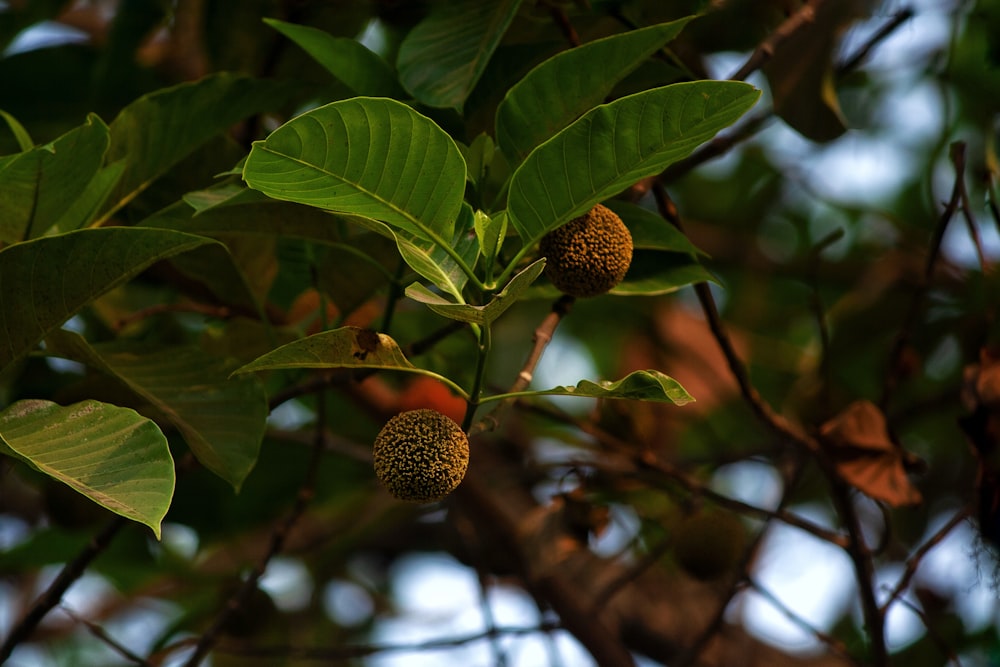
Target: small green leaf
443, 57
58, 275
21, 135
222, 420
490, 231
346, 347
615, 145
37, 186
428, 259
372, 157
112, 455
487, 314
478, 157
561, 89
352, 63
640, 386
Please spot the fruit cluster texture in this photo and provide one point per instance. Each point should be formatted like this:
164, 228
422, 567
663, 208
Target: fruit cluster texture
421, 455
588, 255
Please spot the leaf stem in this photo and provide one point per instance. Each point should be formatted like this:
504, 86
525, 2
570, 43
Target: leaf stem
474, 399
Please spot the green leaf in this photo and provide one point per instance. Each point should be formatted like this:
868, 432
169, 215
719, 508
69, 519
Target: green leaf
651, 273
222, 419
37, 186
639, 385
430, 260
158, 130
346, 347
562, 88
58, 275
655, 272
352, 63
490, 231
650, 231
372, 157
487, 314
112, 455
24, 141
615, 145
479, 157
443, 57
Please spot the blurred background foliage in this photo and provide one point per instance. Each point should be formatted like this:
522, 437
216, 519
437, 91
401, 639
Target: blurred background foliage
817, 227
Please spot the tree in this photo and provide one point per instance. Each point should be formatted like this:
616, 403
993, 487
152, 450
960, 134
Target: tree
237, 238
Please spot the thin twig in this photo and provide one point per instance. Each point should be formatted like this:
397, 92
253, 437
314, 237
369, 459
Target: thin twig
831, 642
692, 652
103, 635
277, 544
855, 59
542, 337
644, 462
840, 492
970, 223
805, 16
933, 633
893, 366
720, 145
913, 562
344, 653
52, 596
558, 14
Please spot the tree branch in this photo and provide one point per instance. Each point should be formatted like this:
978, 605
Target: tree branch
70, 572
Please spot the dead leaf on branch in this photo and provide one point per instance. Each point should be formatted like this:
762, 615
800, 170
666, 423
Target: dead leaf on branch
865, 456
800, 70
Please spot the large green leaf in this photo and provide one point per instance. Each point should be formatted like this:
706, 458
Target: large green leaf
112, 455
222, 419
615, 145
346, 347
46, 281
359, 68
561, 89
443, 57
158, 130
39, 185
647, 385
372, 157
463, 312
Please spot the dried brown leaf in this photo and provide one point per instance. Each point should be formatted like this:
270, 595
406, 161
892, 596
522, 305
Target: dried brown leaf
865, 456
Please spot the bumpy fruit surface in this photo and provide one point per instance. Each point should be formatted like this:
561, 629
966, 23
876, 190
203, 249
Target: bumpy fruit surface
588, 255
421, 455
708, 545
